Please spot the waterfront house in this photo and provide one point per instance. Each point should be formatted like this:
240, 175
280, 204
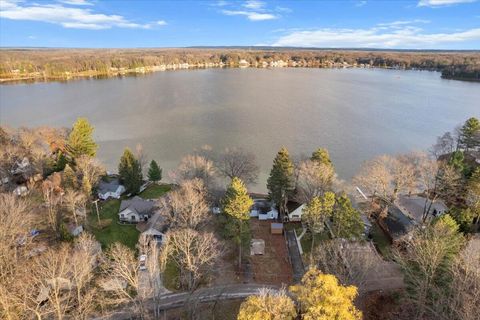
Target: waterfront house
263, 210
136, 210
414, 207
396, 224
110, 189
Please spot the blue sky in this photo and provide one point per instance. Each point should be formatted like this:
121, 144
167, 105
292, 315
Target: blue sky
419, 24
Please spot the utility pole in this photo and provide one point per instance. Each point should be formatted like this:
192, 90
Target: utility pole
96, 206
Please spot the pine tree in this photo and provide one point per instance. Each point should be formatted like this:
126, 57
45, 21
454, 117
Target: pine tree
60, 162
236, 205
280, 183
80, 141
346, 221
470, 134
321, 155
130, 172
154, 172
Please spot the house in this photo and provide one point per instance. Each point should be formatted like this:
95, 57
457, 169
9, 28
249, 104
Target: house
296, 215
136, 209
396, 224
154, 229
110, 189
414, 207
263, 210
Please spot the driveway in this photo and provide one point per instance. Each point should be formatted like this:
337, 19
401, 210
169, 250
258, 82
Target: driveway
295, 256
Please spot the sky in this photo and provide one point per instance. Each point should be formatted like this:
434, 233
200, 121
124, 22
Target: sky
394, 24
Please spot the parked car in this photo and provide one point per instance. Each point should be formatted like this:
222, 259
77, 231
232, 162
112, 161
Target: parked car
143, 261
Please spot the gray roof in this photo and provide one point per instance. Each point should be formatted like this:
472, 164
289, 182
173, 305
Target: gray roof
138, 205
108, 186
415, 204
397, 222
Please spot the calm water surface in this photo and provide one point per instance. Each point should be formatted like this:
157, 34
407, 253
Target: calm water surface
355, 113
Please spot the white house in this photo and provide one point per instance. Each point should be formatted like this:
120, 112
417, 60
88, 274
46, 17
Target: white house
296, 215
136, 209
263, 210
110, 189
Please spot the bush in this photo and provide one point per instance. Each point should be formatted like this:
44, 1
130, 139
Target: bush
104, 223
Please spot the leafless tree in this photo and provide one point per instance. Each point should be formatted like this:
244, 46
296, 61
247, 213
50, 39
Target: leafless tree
187, 206
74, 200
236, 162
196, 166
313, 180
141, 156
445, 145
52, 195
193, 252
90, 170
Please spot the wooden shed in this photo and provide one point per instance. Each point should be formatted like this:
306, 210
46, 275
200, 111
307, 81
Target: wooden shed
276, 228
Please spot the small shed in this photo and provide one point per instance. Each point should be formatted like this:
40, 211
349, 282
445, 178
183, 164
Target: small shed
276, 228
257, 247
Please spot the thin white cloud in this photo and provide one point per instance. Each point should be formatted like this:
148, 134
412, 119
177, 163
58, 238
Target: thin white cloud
161, 22
400, 23
77, 2
253, 16
360, 3
254, 5
404, 37
68, 17
440, 3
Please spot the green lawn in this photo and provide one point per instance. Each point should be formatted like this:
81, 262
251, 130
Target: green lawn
381, 241
306, 240
112, 232
155, 191
170, 276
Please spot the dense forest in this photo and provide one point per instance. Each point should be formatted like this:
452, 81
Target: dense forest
46, 64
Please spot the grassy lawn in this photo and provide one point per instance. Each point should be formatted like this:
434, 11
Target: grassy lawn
306, 240
170, 276
155, 191
380, 240
108, 230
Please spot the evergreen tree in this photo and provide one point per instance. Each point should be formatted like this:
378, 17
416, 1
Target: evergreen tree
280, 183
321, 155
470, 134
154, 172
346, 221
236, 205
130, 172
80, 141
61, 162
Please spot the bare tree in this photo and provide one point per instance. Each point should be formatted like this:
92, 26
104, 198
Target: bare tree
196, 166
193, 252
74, 200
445, 145
141, 156
239, 163
187, 206
313, 180
90, 170
52, 195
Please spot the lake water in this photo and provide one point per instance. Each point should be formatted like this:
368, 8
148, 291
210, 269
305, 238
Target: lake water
355, 113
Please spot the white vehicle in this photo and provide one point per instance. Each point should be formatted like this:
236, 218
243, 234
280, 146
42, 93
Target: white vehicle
143, 261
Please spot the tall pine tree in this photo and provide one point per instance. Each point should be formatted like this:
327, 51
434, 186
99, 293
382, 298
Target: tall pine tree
280, 183
346, 220
322, 156
80, 141
130, 172
470, 134
154, 172
236, 205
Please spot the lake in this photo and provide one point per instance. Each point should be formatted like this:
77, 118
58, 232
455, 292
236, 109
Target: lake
355, 113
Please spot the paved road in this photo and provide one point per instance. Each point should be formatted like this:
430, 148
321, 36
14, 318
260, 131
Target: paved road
175, 300
295, 257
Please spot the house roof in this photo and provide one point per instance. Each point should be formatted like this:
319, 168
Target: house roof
415, 204
137, 204
397, 223
108, 186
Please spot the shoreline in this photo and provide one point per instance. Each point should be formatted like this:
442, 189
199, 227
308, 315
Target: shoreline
97, 75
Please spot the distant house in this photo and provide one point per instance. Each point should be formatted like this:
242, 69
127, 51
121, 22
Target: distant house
396, 224
110, 189
296, 215
136, 209
414, 206
263, 210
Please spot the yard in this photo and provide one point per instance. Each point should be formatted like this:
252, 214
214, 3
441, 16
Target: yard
109, 230
274, 266
155, 191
